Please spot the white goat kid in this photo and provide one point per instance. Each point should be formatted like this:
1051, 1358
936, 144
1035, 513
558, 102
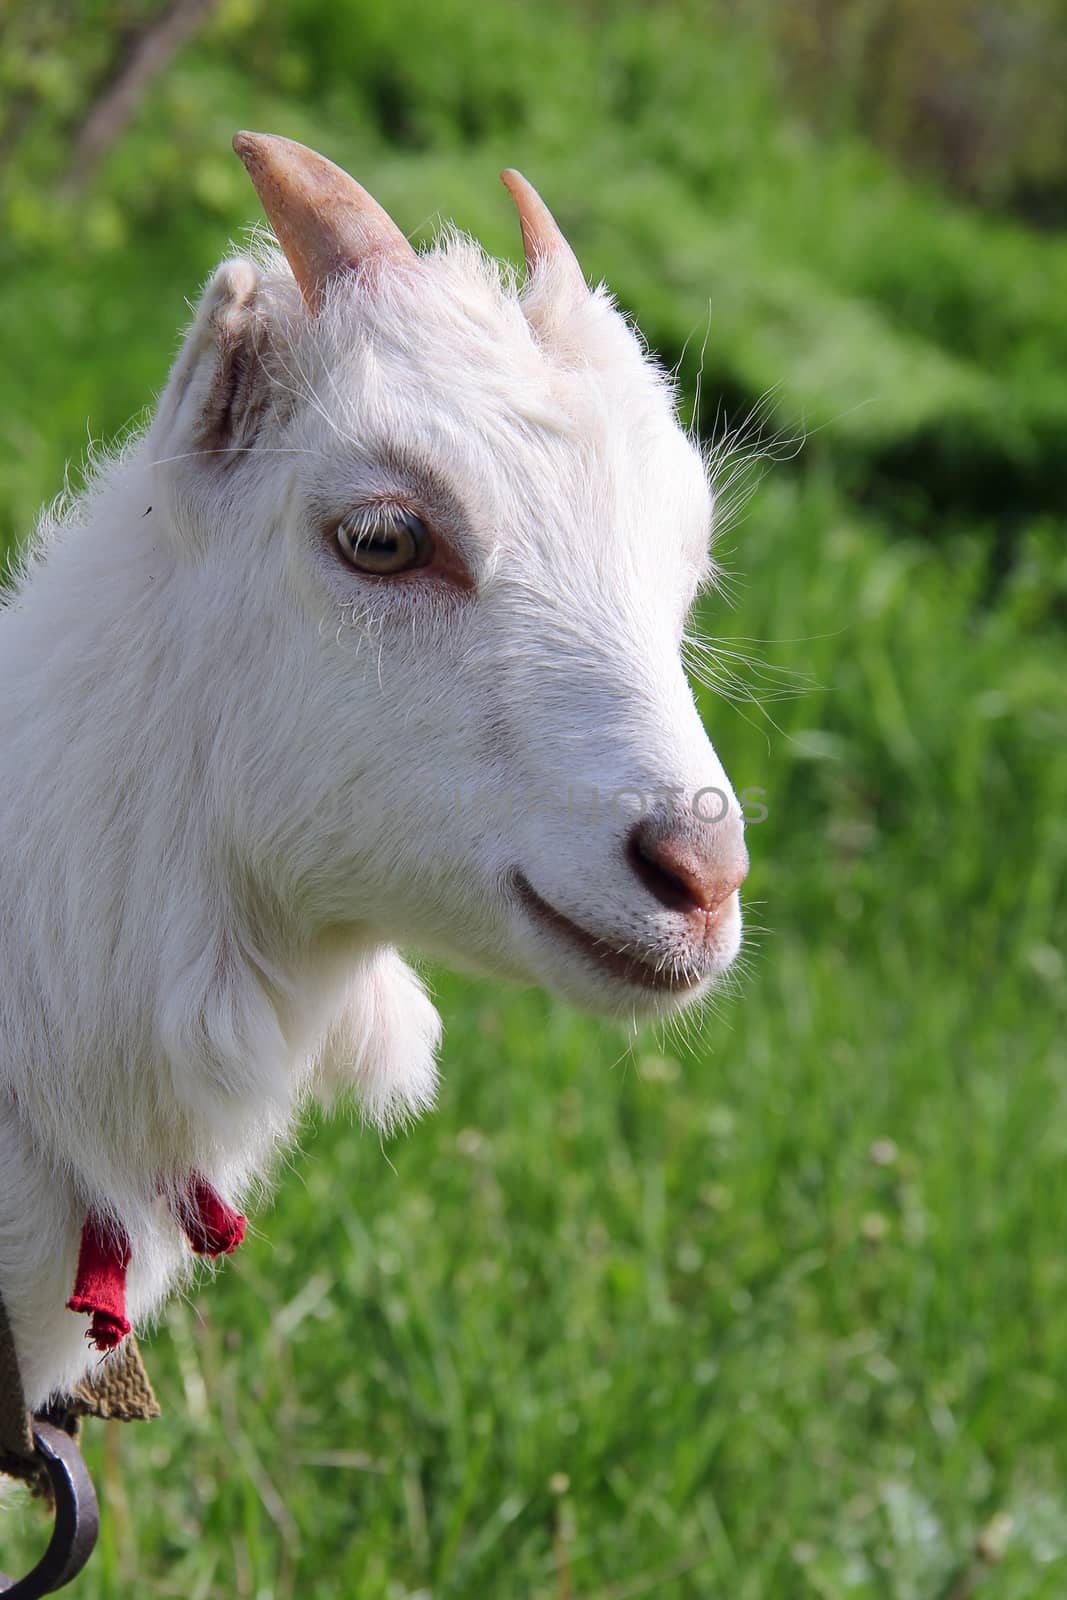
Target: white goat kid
335, 659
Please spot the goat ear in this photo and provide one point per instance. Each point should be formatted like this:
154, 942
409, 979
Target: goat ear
214, 399
325, 222
541, 236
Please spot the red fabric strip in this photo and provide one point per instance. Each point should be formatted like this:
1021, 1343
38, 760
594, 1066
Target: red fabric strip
100, 1282
212, 1227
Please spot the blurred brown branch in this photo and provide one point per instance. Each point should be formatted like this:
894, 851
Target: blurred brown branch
966, 90
145, 54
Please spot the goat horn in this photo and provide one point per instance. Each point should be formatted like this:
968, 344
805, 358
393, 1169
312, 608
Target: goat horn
325, 222
541, 236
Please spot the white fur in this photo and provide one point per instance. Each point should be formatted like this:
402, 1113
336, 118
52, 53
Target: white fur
236, 774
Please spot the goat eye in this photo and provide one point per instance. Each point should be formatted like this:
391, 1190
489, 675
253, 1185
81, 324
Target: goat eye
384, 541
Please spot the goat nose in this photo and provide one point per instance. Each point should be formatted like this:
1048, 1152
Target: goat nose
684, 872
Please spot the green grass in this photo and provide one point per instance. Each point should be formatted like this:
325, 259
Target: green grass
777, 1308
672, 1273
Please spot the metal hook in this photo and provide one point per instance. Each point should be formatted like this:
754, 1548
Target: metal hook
77, 1517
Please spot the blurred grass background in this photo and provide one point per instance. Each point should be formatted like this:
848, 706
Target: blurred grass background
779, 1309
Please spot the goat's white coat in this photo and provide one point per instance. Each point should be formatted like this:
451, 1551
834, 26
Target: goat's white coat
235, 775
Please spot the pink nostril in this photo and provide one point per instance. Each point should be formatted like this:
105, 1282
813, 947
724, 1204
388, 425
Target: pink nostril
683, 876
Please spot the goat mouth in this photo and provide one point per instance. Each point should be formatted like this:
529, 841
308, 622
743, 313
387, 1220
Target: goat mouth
641, 973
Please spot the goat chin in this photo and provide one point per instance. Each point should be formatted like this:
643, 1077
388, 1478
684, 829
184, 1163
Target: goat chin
240, 770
